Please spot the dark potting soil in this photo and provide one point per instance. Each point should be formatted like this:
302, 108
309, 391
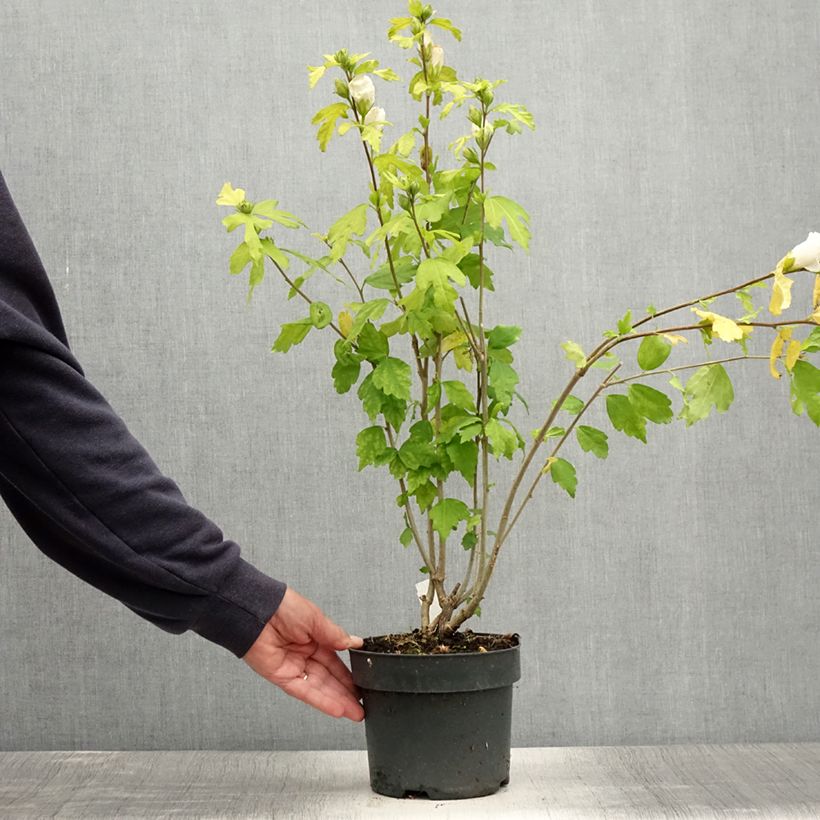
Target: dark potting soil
421, 643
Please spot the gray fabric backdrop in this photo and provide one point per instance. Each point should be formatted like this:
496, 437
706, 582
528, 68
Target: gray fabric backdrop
676, 599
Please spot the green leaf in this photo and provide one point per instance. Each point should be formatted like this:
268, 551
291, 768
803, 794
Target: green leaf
327, 117
592, 440
364, 312
371, 446
291, 334
353, 222
805, 388
447, 25
371, 397
392, 376
502, 336
746, 300
470, 265
469, 540
430, 208
573, 405
436, 274
504, 442
459, 425
446, 515
315, 73
519, 112
500, 208
709, 387
459, 395
347, 368
372, 343
458, 250
374, 401
575, 353
812, 342
606, 362
240, 258
625, 417
653, 351
272, 252
650, 403
406, 537
267, 208
464, 455
563, 474
405, 143
382, 278
625, 324
416, 453
394, 411
502, 382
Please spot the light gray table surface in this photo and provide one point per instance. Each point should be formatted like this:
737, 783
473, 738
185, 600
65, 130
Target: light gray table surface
757, 780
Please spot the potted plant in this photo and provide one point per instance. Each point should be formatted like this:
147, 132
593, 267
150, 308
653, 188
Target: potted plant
411, 336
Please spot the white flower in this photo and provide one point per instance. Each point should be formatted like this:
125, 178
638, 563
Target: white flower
426, 40
375, 116
437, 57
806, 255
362, 88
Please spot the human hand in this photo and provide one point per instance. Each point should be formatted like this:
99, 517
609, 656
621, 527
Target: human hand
296, 651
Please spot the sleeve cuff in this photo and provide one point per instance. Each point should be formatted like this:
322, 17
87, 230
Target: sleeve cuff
234, 616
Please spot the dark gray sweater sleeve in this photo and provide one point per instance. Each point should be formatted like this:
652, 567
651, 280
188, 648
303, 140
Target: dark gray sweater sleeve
88, 494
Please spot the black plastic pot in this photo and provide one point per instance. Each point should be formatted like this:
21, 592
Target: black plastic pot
437, 726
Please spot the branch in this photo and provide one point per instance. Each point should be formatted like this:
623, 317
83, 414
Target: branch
301, 292
683, 367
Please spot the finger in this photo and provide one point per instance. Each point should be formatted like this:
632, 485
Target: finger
328, 633
323, 679
336, 667
315, 693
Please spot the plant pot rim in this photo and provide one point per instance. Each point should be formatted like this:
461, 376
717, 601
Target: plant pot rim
441, 672
379, 654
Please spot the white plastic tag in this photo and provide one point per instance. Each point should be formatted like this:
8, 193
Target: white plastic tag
421, 591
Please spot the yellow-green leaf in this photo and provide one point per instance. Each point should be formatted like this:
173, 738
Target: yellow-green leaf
793, 353
574, 353
315, 73
781, 293
724, 328
500, 208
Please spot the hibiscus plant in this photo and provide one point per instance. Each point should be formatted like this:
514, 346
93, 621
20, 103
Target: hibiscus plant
411, 334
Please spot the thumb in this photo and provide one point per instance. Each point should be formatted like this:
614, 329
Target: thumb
327, 633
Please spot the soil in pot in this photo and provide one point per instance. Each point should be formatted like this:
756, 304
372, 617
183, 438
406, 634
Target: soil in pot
437, 715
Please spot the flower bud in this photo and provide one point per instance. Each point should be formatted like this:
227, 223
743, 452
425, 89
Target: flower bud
483, 135
343, 59
484, 93
320, 315
474, 115
244, 207
362, 90
437, 57
426, 39
375, 116
341, 89
806, 255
